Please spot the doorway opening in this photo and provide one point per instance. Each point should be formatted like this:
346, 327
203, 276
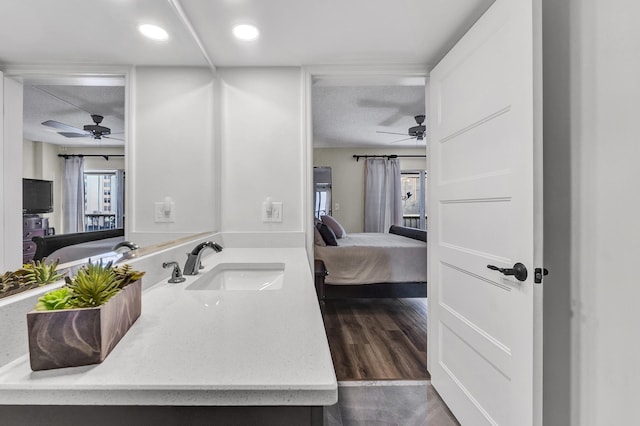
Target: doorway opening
377, 327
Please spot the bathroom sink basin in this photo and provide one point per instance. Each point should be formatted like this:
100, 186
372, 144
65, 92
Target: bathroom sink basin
241, 277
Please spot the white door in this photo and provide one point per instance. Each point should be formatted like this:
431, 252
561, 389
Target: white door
484, 191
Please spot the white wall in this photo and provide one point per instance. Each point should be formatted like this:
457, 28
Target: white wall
46, 165
29, 160
172, 152
3, 197
605, 42
262, 147
11, 180
348, 179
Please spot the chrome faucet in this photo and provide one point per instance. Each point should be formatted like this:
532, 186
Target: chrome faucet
193, 259
176, 274
131, 246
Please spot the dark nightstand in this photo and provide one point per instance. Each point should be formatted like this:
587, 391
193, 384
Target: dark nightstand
320, 272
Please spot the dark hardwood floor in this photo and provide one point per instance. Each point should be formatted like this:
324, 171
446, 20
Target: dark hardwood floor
378, 339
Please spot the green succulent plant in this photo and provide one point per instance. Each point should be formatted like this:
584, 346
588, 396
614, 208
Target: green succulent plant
126, 275
93, 286
9, 281
40, 272
56, 299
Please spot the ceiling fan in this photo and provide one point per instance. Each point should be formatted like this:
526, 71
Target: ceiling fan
95, 131
415, 132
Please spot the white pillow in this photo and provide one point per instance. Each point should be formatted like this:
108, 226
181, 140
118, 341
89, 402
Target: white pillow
334, 225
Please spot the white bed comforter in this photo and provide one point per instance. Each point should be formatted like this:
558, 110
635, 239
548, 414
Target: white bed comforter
369, 258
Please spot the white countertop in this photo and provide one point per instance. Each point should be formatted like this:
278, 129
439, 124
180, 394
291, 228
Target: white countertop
203, 348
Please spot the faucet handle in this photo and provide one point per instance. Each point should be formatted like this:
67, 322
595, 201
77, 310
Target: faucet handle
176, 273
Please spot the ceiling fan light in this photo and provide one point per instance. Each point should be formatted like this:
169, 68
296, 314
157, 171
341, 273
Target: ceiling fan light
246, 32
153, 32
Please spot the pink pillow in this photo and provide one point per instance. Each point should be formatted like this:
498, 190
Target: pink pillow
334, 225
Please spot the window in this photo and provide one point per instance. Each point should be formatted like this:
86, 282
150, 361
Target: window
99, 207
322, 191
414, 199
323, 200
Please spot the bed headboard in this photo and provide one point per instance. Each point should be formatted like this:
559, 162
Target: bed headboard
413, 233
50, 243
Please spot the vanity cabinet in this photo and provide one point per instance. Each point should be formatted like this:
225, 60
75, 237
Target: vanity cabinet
32, 226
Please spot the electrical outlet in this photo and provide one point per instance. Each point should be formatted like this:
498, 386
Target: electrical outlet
164, 215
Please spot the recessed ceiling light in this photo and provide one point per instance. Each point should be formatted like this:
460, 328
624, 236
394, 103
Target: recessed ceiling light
153, 32
246, 32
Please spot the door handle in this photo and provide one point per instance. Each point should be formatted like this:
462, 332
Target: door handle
519, 271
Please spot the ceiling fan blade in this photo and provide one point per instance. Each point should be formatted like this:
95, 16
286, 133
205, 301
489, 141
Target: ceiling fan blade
62, 126
412, 137
109, 137
391, 133
74, 135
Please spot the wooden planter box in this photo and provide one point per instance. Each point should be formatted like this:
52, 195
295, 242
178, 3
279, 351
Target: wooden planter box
18, 290
73, 337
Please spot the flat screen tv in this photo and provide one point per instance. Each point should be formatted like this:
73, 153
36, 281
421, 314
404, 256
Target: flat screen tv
37, 196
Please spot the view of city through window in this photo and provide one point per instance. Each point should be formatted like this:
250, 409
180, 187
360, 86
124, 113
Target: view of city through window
99, 205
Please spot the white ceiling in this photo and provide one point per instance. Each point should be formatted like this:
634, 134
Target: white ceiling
302, 32
349, 116
73, 105
292, 32
92, 32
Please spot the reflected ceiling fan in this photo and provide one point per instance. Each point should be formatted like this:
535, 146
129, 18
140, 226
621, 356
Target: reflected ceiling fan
95, 131
415, 132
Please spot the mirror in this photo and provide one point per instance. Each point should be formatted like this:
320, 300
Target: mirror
173, 144
73, 167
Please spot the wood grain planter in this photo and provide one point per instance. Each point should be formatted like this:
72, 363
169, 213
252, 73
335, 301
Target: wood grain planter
20, 289
74, 337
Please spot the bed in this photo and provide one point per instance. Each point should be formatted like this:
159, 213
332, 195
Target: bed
390, 264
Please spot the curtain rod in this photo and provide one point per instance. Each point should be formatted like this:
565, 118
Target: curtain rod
105, 156
357, 157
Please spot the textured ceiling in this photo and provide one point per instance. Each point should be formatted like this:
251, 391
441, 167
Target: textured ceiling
349, 116
73, 105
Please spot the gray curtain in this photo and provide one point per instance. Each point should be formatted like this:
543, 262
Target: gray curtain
73, 220
119, 196
382, 195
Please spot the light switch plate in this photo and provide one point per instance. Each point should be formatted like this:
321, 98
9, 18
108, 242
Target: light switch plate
276, 212
161, 216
